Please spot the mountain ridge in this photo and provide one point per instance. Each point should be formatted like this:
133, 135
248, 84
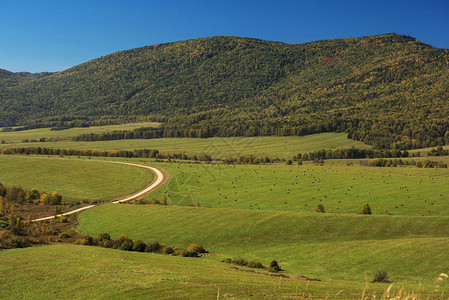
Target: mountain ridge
248, 86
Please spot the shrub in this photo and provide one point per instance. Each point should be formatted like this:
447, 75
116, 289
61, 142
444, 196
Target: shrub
123, 239
65, 235
227, 260
87, 240
107, 243
289, 162
139, 246
366, 210
153, 247
20, 242
196, 248
18, 230
240, 262
190, 254
127, 245
104, 237
168, 250
180, 252
381, 276
255, 265
320, 208
274, 266
55, 198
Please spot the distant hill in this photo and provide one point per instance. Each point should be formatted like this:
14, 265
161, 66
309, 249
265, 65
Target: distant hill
388, 90
8, 78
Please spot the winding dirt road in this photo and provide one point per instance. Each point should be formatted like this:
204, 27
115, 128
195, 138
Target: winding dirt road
157, 182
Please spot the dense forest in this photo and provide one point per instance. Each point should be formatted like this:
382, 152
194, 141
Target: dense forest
390, 91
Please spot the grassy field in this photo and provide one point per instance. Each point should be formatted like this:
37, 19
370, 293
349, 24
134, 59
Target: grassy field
82, 272
73, 179
324, 246
340, 188
257, 212
18, 136
273, 146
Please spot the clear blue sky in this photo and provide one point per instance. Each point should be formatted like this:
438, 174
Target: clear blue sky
48, 35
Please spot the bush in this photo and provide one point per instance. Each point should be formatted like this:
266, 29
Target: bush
190, 254
127, 245
366, 210
168, 250
123, 239
381, 276
20, 242
65, 235
255, 265
320, 208
104, 237
227, 260
153, 247
274, 266
107, 243
87, 240
18, 230
55, 198
139, 246
197, 248
240, 262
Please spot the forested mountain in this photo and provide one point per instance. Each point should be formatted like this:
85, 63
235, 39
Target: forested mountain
389, 90
8, 78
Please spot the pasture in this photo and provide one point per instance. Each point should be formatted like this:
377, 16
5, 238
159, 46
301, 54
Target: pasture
340, 188
74, 179
325, 246
218, 147
36, 134
91, 272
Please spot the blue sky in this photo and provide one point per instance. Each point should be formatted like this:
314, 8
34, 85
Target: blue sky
55, 35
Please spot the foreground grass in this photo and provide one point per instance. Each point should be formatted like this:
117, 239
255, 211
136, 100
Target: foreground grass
82, 272
74, 179
19, 136
325, 246
271, 146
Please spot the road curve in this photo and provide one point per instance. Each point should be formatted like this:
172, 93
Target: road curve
154, 185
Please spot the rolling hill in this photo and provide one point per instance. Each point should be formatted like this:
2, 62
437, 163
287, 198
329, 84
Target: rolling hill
390, 91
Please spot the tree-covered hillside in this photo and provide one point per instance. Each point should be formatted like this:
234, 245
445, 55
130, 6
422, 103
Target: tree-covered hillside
388, 90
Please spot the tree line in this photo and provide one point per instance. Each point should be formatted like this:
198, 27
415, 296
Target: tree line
350, 153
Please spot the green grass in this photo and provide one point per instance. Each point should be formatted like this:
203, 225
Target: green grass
273, 217
18, 136
272, 146
325, 246
340, 188
73, 179
81, 272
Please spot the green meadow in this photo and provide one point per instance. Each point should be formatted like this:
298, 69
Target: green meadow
340, 188
324, 246
74, 179
81, 272
217, 147
19, 136
255, 212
